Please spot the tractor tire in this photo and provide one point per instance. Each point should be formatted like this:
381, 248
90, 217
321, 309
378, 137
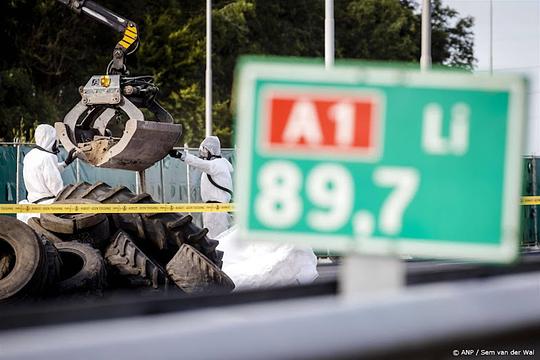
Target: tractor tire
71, 223
83, 269
54, 264
24, 261
90, 229
35, 224
134, 268
193, 273
6, 263
52, 259
167, 231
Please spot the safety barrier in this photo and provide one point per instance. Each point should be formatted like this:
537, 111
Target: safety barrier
145, 208
114, 208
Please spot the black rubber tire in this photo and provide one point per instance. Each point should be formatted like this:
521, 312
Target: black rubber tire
54, 265
193, 273
132, 266
83, 269
48, 239
71, 223
7, 261
27, 276
97, 236
35, 224
166, 232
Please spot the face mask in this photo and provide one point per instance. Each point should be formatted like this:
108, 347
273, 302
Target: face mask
203, 153
54, 148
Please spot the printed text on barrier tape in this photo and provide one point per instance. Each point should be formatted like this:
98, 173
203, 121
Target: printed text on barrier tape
113, 208
144, 208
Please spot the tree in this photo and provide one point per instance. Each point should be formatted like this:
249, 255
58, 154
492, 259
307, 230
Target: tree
50, 51
452, 37
377, 30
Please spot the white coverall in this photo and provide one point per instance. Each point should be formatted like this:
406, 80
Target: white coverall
220, 170
42, 170
250, 265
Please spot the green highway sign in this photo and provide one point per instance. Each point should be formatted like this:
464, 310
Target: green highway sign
379, 160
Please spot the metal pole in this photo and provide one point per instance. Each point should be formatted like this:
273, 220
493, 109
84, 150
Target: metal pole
425, 58
78, 169
534, 209
361, 275
188, 181
17, 173
161, 181
491, 37
329, 34
208, 90
141, 175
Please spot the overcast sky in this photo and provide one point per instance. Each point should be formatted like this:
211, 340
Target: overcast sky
516, 47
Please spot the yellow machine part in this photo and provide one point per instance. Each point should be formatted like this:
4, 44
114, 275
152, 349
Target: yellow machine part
130, 36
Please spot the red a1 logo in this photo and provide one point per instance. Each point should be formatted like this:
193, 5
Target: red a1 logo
349, 123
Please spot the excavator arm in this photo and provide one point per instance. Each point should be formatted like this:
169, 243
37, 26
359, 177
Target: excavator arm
116, 95
116, 22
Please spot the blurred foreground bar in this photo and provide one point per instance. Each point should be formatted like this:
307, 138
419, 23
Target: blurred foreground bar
421, 322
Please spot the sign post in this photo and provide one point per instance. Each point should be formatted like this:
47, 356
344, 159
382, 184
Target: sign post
379, 160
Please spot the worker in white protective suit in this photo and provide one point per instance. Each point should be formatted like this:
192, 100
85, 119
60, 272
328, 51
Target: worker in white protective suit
42, 171
216, 181
250, 265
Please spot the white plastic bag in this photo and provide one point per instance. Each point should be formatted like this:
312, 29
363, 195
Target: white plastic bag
256, 264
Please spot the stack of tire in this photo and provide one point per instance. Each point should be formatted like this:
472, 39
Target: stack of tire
61, 254
29, 266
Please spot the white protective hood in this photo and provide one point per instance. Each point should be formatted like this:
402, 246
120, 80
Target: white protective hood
45, 136
212, 144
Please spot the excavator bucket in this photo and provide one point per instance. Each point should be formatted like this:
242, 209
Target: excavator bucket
142, 144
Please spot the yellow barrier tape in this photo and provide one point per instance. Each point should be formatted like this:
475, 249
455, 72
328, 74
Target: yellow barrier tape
113, 208
530, 200
144, 208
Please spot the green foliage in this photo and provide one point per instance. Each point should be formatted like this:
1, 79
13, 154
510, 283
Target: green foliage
23, 106
50, 52
452, 37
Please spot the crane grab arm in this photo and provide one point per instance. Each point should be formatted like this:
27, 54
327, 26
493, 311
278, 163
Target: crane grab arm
118, 23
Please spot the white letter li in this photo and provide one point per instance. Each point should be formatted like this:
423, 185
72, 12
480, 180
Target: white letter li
457, 142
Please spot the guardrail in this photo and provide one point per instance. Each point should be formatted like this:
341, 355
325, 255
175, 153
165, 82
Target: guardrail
446, 320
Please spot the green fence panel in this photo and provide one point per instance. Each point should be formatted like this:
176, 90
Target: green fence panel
112, 177
531, 187
8, 171
175, 180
